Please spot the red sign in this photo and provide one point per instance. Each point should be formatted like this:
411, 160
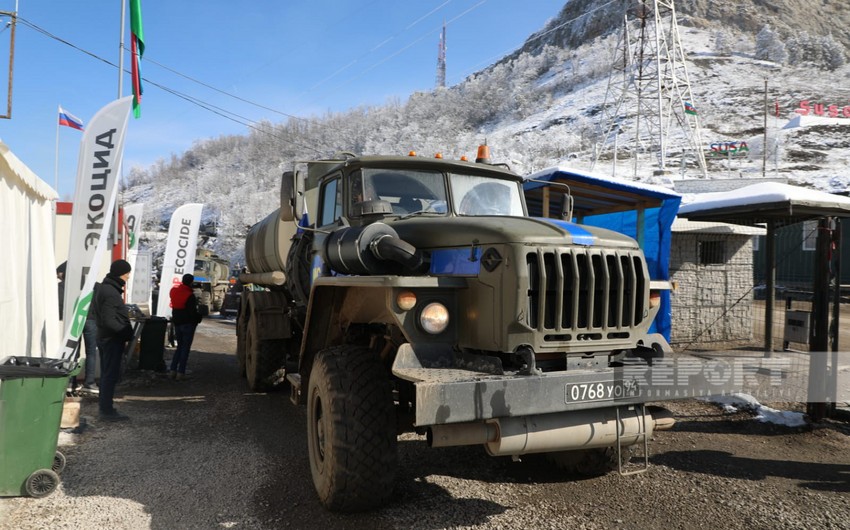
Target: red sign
819, 109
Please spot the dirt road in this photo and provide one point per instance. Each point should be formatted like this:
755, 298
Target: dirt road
206, 453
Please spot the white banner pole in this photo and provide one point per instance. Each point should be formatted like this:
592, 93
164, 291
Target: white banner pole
179, 256
101, 152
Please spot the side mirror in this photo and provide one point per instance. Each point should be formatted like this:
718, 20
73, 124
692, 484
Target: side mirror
566, 207
292, 196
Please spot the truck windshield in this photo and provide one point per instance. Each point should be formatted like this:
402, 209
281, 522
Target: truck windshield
201, 266
424, 192
407, 191
475, 195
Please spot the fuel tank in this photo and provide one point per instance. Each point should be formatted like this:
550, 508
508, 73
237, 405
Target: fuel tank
267, 244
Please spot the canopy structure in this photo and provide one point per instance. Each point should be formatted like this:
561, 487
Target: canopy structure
29, 301
770, 202
777, 205
642, 211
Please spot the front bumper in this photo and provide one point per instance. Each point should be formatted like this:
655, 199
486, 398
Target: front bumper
445, 394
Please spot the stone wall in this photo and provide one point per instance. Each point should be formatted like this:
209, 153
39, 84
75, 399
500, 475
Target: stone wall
703, 302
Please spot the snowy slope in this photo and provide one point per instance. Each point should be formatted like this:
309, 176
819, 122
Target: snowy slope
534, 114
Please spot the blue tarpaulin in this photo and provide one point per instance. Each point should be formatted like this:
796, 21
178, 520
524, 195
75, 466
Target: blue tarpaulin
620, 202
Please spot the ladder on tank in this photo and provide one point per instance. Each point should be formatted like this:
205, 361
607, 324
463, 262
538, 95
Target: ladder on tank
641, 435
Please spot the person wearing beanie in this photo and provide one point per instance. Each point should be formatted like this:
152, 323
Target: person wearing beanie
113, 332
119, 268
185, 317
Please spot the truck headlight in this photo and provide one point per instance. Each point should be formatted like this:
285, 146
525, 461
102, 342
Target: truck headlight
434, 318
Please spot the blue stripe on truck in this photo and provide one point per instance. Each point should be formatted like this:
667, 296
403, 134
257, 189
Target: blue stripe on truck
455, 262
580, 235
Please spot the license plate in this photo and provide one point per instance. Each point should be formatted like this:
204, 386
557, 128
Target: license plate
604, 391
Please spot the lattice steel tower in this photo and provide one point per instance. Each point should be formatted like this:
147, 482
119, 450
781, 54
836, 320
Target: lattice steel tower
441, 59
649, 110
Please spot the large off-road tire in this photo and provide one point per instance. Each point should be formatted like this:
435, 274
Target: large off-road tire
351, 429
262, 359
242, 335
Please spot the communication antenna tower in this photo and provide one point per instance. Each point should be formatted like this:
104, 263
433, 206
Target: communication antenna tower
649, 108
441, 59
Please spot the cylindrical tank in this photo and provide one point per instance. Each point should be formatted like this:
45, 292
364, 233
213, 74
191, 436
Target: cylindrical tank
268, 243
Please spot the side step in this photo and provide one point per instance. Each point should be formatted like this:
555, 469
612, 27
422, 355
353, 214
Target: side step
642, 435
294, 379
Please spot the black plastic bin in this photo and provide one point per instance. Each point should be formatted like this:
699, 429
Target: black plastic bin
152, 344
32, 393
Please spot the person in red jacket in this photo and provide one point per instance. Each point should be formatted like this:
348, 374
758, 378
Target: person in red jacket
185, 317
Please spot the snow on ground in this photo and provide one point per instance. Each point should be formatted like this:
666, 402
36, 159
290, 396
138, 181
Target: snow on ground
745, 402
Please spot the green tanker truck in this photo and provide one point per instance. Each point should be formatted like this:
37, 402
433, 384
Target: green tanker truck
212, 274
412, 294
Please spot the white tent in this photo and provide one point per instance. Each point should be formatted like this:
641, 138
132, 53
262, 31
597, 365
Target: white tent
29, 301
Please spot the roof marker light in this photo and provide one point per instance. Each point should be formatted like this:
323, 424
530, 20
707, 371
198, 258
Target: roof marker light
483, 156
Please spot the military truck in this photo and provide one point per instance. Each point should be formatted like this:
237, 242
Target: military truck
212, 275
415, 294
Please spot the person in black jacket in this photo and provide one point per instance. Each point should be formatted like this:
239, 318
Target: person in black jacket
185, 317
113, 332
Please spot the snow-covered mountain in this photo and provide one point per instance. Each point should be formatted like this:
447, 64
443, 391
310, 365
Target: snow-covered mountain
542, 106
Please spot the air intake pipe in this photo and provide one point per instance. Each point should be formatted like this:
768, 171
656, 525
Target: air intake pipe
371, 249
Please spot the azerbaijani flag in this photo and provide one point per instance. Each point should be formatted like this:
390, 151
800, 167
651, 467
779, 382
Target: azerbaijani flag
69, 120
137, 49
689, 109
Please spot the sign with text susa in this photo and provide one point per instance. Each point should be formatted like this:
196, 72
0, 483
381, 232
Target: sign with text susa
179, 252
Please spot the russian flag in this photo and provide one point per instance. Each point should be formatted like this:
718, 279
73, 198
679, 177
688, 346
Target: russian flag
69, 120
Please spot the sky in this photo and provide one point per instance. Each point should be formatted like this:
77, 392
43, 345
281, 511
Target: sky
233, 64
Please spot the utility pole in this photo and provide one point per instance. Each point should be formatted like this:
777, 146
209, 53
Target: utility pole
654, 95
764, 147
441, 59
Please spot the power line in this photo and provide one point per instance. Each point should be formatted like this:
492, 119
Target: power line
232, 116
379, 46
220, 91
408, 46
533, 38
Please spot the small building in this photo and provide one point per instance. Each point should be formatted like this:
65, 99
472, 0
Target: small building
711, 269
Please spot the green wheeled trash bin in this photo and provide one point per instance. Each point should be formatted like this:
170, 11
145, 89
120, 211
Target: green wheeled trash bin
32, 394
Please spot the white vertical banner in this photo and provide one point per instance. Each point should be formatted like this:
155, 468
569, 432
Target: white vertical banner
179, 252
99, 165
133, 222
140, 288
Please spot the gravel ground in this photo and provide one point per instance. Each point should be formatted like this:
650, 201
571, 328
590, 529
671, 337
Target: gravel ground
206, 453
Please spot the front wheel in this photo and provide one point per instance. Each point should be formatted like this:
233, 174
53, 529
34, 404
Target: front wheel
351, 431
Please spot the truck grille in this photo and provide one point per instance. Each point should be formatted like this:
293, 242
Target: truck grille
585, 291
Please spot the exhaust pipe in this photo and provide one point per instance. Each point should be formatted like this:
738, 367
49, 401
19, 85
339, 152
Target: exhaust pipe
563, 431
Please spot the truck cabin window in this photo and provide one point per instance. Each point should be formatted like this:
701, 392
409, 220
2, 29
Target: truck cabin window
407, 191
331, 208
